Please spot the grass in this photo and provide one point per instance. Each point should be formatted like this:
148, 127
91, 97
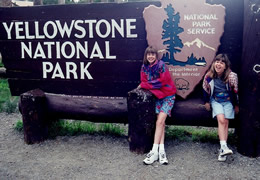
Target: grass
188, 133
181, 133
8, 103
1, 62
112, 129
19, 125
75, 128
197, 134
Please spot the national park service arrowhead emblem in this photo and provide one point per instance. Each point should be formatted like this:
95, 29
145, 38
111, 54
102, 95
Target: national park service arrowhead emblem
187, 34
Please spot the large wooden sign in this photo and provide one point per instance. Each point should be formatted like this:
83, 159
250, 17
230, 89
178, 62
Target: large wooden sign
91, 49
97, 49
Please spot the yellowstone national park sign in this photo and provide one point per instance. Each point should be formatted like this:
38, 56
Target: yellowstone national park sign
97, 49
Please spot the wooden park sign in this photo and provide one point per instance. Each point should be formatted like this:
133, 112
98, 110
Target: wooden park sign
93, 49
97, 49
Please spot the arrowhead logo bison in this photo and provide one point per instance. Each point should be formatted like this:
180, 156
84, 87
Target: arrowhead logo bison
187, 34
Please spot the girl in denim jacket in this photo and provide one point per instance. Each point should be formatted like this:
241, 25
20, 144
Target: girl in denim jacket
220, 87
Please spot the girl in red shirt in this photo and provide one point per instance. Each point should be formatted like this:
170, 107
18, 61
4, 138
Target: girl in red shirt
156, 78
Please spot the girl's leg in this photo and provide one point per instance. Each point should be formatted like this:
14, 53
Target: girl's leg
159, 137
222, 127
226, 130
160, 128
153, 155
223, 135
162, 135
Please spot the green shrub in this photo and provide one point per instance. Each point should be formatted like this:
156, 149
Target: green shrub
19, 125
11, 105
8, 103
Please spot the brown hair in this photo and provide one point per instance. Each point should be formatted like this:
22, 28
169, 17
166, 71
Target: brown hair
149, 49
224, 58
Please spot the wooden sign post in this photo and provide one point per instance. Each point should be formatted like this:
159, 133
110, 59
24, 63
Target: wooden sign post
249, 136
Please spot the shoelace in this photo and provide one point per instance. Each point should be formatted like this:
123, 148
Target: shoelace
149, 155
163, 155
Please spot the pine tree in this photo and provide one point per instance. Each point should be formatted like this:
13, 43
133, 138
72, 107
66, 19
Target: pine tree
5, 3
171, 30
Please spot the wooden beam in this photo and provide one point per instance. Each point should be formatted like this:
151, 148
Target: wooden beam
39, 109
114, 110
94, 109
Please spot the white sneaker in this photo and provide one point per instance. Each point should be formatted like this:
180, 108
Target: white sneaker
163, 159
222, 158
151, 157
225, 151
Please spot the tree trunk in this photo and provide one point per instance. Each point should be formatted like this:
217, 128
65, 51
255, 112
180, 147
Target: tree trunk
249, 132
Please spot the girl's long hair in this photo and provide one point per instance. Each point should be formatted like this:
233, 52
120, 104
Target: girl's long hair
224, 58
149, 49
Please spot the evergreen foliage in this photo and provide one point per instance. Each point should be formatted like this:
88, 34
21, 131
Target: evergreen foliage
171, 30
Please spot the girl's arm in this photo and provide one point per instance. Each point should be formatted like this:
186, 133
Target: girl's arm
156, 83
236, 109
207, 106
206, 89
233, 81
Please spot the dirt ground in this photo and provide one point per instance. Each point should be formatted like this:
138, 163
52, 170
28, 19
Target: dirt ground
104, 157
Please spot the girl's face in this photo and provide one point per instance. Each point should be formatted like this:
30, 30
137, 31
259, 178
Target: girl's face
151, 57
220, 67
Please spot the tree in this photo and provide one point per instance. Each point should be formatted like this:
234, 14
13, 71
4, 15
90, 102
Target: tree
6, 3
61, 1
38, 2
171, 30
